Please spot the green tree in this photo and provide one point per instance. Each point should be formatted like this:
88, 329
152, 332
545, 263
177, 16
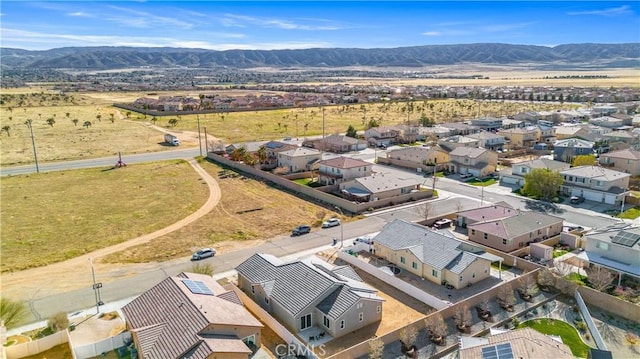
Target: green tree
99, 117
351, 132
51, 121
542, 183
87, 124
373, 123
6, 128
262, 154
426, 121
584, 160
173, 122
58, 322
376, 349
112, 118
153, 120
75, 121
12, 312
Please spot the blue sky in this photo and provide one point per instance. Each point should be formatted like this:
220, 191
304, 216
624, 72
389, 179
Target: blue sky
224, 25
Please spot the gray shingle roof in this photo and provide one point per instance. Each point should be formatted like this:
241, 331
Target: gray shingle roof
297, 284
431, 247
514, 226
344, 162
471, 152
338, 302
461, 262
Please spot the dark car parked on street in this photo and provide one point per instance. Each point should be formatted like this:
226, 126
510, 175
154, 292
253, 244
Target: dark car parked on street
302, 229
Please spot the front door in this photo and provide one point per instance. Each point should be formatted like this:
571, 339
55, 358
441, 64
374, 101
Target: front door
305, 322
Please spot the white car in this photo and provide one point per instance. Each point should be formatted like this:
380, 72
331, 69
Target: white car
365, 240
332, 222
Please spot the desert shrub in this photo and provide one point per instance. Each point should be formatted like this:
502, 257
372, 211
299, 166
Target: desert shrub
58, 322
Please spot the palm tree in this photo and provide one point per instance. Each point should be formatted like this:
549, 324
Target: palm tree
75, 121
99, 117
6, 129
87, 124
50, 121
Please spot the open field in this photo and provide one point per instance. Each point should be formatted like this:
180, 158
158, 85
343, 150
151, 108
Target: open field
113, 130
50, 217
248, 213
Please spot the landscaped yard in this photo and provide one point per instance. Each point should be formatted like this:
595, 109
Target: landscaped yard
569, 334
631, 213
483, 183
59, 215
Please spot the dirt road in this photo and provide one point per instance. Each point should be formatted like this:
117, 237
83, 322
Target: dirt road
72, 274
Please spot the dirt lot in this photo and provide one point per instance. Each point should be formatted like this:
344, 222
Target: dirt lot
398, 310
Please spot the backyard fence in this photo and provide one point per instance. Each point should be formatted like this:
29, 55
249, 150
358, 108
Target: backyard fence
103, 346
590, 323
38, 345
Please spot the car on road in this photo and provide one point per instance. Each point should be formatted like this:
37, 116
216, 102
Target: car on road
466, 175
443, 223
365, 240
203, 253
302, 229
576, 199
331, 222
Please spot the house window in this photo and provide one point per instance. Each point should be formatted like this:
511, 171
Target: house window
414, 265
253, 290
599, 183
266, 300
434, 273
504, 241
461, 278
485, 236
486, 271
473, 232
359, 305
378, 309
402, 260
473, 275
305, 321
342, 324
360, 316
603, 245
325, 321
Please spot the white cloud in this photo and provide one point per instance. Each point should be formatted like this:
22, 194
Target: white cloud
614, 11
80, 14
432, 33
143, 19
233, 20
505, 27
41, 41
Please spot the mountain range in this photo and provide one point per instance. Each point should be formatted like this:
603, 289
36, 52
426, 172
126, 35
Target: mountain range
96, 58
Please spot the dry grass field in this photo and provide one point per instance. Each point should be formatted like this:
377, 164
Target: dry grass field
50, 217
249, 212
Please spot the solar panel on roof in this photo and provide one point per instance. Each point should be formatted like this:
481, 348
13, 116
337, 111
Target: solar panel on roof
197, 287
499, 351
626, 238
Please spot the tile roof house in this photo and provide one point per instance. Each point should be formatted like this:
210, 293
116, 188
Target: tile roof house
525, 343
273, 148
340, 169
521, 169
627, 161
486, 213
310, 293
616, 247
520, 137
418, 157
567, 150
487, 123
488, 140
336, 144
516, 231
431, 254
191, 316
378, 186
620, 140
595, 183
460, 128
376, 136
299, 159
479, 162
453, 142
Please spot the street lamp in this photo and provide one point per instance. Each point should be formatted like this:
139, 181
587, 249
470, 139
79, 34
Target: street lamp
96, 288
341, 228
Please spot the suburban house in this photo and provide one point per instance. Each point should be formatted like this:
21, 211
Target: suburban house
520, 137
565, 132
487, 123
336, 144
377, 136
310, 293
567, 150
486, 213
519, 343
431, 254
249, 147
378, 186
460, 128
479, 162
433, 133
340, 169
453, 142
616, 247
609, 122
512, 123
273, 148
191, 316
627, 161
418, 157
620, 140
521, 169
516, 231
299, 159
488, 140
545, 132
595, 183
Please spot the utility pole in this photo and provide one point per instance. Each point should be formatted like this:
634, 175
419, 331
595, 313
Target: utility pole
199, 138
96, 288
33, 143
206, 142
341, 228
